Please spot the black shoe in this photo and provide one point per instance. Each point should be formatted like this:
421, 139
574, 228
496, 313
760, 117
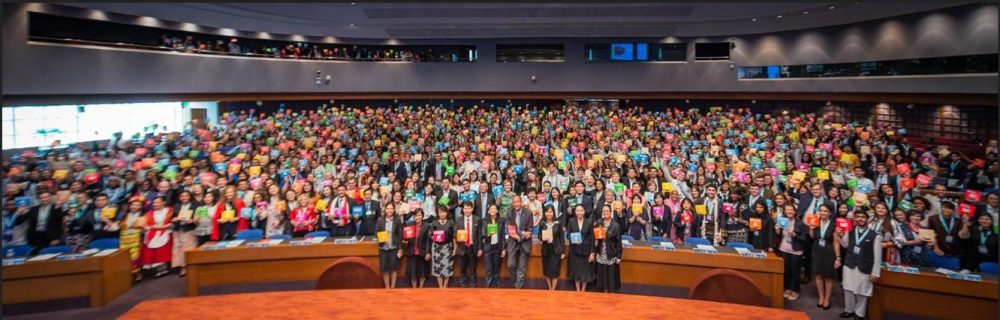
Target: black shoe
859, 318
845, 315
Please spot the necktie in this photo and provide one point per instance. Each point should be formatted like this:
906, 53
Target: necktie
518, 222
468, 231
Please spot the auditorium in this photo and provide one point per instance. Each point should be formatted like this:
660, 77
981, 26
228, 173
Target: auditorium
497, 160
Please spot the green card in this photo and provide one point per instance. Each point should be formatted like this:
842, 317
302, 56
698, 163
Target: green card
491, 229
619, 188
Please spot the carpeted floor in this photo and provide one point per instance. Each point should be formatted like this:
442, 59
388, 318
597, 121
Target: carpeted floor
173, 286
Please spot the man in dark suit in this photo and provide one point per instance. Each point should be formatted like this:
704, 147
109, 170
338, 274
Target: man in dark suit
372, 211
518, 244
580, 198
45, 223
426, 167
811, 201
452, 196
882, 176
467, 249
404, 170
955, 170
483, 200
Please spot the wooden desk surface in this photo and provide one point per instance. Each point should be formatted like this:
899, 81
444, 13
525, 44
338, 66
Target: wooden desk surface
449, 303
102, 279
640, 265
931, 294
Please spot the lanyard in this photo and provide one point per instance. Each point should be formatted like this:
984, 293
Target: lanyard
947, 226
983, 236
822, 228
859, 236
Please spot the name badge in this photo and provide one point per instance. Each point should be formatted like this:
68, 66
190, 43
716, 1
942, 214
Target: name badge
857, 250
822, 243
918, 249
949, 239
756, 233
494, 238
983, 250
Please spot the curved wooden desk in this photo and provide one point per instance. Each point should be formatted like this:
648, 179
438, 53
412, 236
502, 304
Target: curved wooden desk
102, 279
430, 304
640, 265
933, 295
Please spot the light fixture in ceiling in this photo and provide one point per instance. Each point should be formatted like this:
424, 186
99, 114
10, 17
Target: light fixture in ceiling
805, 12
754, 19
780, 16
832, 7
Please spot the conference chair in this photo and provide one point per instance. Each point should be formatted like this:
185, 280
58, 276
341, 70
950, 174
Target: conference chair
250, 234
656, 239
988, 267
692, 241
102, 244
15, 251
56, 249
728, 286
937, 261
350, 273
317, 234
280, 236
628, 237
735, 245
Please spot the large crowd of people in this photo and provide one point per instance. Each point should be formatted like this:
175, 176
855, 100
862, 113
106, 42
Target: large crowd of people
314, 51
478, 185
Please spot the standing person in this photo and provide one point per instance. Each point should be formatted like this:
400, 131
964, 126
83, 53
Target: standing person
581, 247
205, 215
303, 217
227, 219
862, 261
825, 248
946, 227
912, 250
792, 235
609, 253
467, 244
442, 233
372, 212
417, 268
761, 235
45, 223
518, 242
184, 225
157, 246
80, 225
494, 249
553, 246
979, 241
133, 223
390, 247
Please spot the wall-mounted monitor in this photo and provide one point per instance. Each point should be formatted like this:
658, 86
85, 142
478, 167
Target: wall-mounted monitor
622, 52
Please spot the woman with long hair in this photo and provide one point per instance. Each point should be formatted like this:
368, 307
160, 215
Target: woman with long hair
157, 244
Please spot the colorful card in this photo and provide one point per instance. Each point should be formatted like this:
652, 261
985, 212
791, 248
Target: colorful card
575, 238
844, 224
547, 235
600, 233
783, 222
461, 235
228, 215
973, 195
812, 220
109, 212
755, 224
437, 236
658, 212
491, 229
409, 232
512, 229
700, 209
383, 236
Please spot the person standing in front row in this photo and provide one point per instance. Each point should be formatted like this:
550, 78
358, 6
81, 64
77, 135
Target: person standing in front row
417, 268
609, 253
391, 249
581, 248
862, 253
519, 242
494, 230
824, 249
467, 248
442, 233
553, 246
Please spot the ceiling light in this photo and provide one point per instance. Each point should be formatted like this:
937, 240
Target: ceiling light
805, 12
779, 16
754, 19
832, 7
352, 3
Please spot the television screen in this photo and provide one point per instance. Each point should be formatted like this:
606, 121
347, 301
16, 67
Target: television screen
641, 51
773, 72
621, 51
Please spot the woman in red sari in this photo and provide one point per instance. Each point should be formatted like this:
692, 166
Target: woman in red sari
227, 220
157, 246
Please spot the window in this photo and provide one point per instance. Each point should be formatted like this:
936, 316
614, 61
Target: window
980, 63
635, 52
36, 126
531, 53
711, 51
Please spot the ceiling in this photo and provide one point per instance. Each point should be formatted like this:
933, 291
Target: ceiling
516, 20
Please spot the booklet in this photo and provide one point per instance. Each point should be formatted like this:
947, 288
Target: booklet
43, 257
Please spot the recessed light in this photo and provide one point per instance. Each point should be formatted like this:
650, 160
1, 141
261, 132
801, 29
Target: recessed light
805, 12
352, 3
754, 19
832, 7
779, 16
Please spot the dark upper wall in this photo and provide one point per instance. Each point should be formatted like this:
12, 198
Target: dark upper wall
40, 69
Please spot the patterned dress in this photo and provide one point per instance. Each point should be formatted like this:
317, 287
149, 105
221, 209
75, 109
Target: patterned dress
131, 233
441, 252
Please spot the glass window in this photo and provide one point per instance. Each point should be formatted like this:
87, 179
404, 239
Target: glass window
34, 126
981, 63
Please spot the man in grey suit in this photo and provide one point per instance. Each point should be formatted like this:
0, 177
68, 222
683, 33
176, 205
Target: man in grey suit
518, 244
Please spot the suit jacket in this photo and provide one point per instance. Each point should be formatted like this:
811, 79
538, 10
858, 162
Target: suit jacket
586, 234
558, 245
53, 226
420, 242
368, 221
526, 225
452, 200
587, 202
805, 200
800, 239
396, 237
478, 205
612, 239
485, 239
400, 169
473, 234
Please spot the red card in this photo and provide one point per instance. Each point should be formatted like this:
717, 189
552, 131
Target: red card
512, 229
409, 232
844, 224
967, 210
903, 168
686, 217
906, 183
923, 180
973, 195
812, 220
600, 233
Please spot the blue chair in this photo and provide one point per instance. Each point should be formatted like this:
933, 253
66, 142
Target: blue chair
280, 236
735, 245
656, 239
102, 244
56, 249
692, 241
15, 251
942, 262
628, 237
317, 234
250, 234
988, 267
